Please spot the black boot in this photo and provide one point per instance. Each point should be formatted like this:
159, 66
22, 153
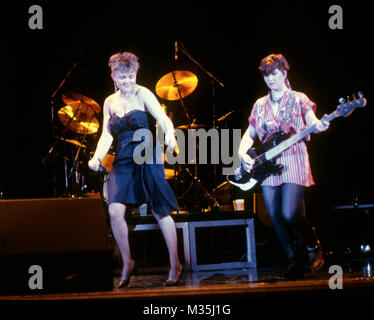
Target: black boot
296, 266
316, 260
314, 249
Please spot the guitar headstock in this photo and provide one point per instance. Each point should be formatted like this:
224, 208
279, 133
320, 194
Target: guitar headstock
346, 107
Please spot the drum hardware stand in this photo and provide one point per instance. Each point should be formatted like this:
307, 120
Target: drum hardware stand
67, 175
181, 100
195, 185
213, 81
196, 182
78, 178
49, 157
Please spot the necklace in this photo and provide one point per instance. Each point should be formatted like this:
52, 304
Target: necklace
275, 100
129, 93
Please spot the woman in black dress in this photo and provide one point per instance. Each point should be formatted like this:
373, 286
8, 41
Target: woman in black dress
125, 112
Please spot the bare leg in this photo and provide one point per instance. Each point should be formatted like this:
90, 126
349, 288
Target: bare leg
169, 232
121, 235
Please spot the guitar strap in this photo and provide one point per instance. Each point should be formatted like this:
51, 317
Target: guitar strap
286, 115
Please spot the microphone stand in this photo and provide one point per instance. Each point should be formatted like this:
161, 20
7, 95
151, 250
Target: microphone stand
211, 76
213, 80
46, 158
181, 100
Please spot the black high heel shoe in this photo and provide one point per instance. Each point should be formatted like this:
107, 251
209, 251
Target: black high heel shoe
172, 283
125, 282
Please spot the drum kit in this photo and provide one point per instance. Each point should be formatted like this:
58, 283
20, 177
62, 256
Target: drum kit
80, 115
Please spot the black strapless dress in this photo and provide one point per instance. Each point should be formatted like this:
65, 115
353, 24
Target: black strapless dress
134, 184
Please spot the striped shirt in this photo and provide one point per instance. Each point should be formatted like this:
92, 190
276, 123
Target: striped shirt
291, 114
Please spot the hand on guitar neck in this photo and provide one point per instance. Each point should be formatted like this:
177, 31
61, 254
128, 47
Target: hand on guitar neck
321, 125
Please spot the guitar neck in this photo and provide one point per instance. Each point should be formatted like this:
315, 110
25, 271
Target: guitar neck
273, 152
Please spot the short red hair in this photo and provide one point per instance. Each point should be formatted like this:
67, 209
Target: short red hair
124, 62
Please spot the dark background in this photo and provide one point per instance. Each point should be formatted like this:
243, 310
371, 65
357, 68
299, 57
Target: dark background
227, 39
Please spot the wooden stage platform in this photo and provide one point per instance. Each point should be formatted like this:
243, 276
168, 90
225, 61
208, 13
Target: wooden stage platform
219, 294
257, 284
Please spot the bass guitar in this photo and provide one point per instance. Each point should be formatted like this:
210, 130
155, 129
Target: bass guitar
265, 155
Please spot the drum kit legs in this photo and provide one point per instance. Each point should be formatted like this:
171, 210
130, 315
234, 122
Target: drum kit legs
196, 194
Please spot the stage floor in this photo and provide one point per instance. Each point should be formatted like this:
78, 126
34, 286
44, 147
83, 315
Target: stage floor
235, 284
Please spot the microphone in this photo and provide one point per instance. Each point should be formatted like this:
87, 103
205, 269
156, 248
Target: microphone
103, 170
176, 50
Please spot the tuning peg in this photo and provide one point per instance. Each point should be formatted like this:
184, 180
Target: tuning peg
342, 100
354, 96
360, 94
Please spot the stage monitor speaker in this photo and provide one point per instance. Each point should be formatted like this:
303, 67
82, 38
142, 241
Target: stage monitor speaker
54, 245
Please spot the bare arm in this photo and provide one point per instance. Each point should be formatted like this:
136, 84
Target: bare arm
158, 113
105, 140
245, 144
311, 119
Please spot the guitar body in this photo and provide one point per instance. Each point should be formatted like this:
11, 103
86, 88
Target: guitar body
262, 168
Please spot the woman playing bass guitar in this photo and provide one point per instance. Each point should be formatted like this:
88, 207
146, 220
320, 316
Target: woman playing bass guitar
285, 110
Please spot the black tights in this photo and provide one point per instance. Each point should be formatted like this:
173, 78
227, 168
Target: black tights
284, 206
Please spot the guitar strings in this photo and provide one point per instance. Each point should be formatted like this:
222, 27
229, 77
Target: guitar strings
257, 162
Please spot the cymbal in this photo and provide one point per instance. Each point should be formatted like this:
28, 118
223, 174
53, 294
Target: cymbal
72, 141
77, 120
86, 104
191, 126
176, 84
